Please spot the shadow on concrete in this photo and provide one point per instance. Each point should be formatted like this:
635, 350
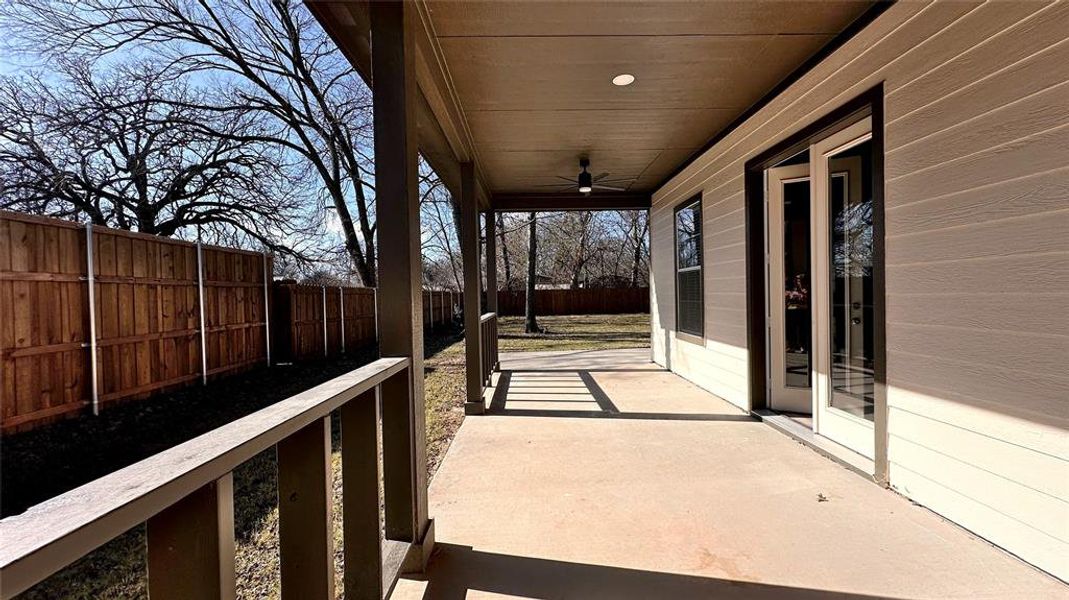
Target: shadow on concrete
456, 570
499, 404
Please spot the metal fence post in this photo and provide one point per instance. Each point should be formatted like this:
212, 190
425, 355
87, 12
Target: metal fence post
341, 312
324, 289
267, 312
200, 309
90, 279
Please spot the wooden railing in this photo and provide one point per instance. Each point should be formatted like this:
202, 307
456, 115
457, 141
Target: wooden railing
488, 338
185, 495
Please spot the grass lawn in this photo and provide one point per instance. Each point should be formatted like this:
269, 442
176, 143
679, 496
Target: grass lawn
76, 451
576, 332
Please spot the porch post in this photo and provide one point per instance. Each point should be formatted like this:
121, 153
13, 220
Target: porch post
469, 249
491, 285
399, 297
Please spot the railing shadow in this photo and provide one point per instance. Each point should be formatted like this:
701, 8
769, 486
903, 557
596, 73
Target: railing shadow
456, 570
499, 404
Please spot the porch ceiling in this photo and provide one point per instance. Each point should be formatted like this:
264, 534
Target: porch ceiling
534, 78
524, 88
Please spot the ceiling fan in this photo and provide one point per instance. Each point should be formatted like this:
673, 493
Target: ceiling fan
586, 183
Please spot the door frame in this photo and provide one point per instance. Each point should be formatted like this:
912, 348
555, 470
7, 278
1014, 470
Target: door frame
868, 103
776, 331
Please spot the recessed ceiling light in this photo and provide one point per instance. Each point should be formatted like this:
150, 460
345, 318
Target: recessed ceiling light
623, 79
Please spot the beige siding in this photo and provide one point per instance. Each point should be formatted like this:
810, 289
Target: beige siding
977, 218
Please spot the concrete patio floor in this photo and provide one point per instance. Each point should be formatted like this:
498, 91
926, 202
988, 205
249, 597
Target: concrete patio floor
603, 476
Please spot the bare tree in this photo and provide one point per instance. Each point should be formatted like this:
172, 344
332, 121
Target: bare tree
129, 150
639, 229
442, 263
530, 322
506, 263
270, 56
591, 249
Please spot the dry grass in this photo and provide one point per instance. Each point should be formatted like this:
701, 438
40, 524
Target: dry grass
576, 332
117, 569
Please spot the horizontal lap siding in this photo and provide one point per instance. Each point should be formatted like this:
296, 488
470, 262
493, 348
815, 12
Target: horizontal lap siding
977, 239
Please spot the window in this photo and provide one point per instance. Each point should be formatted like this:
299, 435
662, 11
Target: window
689, 305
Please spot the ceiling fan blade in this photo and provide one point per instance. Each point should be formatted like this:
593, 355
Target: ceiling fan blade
568, 179
556, 185
598, 186
601, 176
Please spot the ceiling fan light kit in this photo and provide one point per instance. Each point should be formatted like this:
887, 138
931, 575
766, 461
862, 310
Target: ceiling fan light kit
586, 180
586, 183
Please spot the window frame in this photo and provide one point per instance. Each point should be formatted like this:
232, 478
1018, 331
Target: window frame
686, 205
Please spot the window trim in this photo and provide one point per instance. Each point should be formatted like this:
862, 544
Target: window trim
684, 205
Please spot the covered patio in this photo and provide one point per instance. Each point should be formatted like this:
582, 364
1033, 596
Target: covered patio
603, 474
600, 475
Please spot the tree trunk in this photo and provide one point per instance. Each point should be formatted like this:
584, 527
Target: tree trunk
531, 325
638, 240
504, 251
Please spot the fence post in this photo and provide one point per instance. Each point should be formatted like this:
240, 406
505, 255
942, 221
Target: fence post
430, 294
375, 310
267, 312
200, 309
341, 313
324, 290
90, 278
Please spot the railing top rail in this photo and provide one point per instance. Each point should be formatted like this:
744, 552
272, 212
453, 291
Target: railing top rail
57, 532
487, 316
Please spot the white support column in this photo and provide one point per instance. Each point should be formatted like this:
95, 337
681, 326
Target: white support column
341, 313
267, 311
200, 309
323, 288
91, 280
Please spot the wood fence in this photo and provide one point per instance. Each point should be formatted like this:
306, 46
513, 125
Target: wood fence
301, 315
142, 315
167, 313
584, 301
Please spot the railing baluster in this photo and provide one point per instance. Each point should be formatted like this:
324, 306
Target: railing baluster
398, 457
306, 539
360, 497
191, 545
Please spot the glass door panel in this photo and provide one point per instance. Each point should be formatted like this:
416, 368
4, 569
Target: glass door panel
790, 320
796, 312
843, 295
851, 323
